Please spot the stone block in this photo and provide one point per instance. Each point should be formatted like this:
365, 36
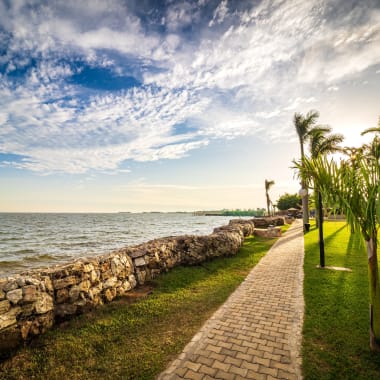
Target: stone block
44, 303
110, 294
139, 261
85, 286
48, 284
9, 318
14, 296
141, 277
106, 274
132, 280
10, 285
25, 328
4, 306
94, 276
110, 283
95, 291
269, 232
32, 281
88, 267
62, 295
29, 293
74, 293
27, 310
64, 282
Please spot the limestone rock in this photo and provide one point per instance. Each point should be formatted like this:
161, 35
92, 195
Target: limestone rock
9, 318
95, 291
74, 293
109, 294
29, 293
44, 303
85, 286
62, 295
139, 261
25, 328
4, 306
132, 280
15, 296
27, 310
65, 282
110, 283
11, 285
32, 281
141, 276
88, 268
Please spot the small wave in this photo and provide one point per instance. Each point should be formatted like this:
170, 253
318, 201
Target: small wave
23, 251
10, 239
9, 264
42, 257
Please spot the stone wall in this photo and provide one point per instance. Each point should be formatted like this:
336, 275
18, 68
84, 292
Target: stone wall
269, 221
33, 302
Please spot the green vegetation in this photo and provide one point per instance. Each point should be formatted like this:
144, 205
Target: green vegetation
335, 343
249, 212
136, 341
303, 124
287, 201
352, 185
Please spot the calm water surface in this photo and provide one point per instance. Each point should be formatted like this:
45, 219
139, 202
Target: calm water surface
39, 240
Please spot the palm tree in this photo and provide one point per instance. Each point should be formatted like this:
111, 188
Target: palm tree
268, 185
373, 129
322, 143
303, 125
353, 185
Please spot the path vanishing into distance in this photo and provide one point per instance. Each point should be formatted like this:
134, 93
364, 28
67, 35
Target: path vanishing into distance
257, 332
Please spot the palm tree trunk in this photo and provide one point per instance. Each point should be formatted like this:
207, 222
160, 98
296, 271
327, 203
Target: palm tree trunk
305, 199
316, 208
374, 292
305, 207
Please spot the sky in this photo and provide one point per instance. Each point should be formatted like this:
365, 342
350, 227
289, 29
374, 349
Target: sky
165, 105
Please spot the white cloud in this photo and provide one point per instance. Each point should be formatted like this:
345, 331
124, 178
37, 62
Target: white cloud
297, 102
238, 79
219, 13
333, 88
181, 14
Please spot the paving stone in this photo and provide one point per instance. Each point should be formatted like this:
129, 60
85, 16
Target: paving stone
207, 370
190, 374
224, 375
251, 336
220, 365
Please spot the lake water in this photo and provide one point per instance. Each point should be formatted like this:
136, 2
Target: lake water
39, 240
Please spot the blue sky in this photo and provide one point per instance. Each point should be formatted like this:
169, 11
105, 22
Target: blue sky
174, 105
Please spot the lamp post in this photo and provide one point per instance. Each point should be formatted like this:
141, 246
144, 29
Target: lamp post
320, 230
303, 193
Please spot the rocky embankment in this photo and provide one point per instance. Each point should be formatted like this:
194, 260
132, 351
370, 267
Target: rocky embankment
33, 302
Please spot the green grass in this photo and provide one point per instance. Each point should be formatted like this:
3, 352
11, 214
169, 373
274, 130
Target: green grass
137, 341
336, 325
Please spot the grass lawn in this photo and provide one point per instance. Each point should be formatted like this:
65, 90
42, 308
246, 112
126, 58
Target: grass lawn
336, 326
136, 341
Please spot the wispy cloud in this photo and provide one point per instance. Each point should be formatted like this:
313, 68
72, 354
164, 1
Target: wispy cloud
203, 72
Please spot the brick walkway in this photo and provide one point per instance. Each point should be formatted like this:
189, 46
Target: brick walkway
256, 333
